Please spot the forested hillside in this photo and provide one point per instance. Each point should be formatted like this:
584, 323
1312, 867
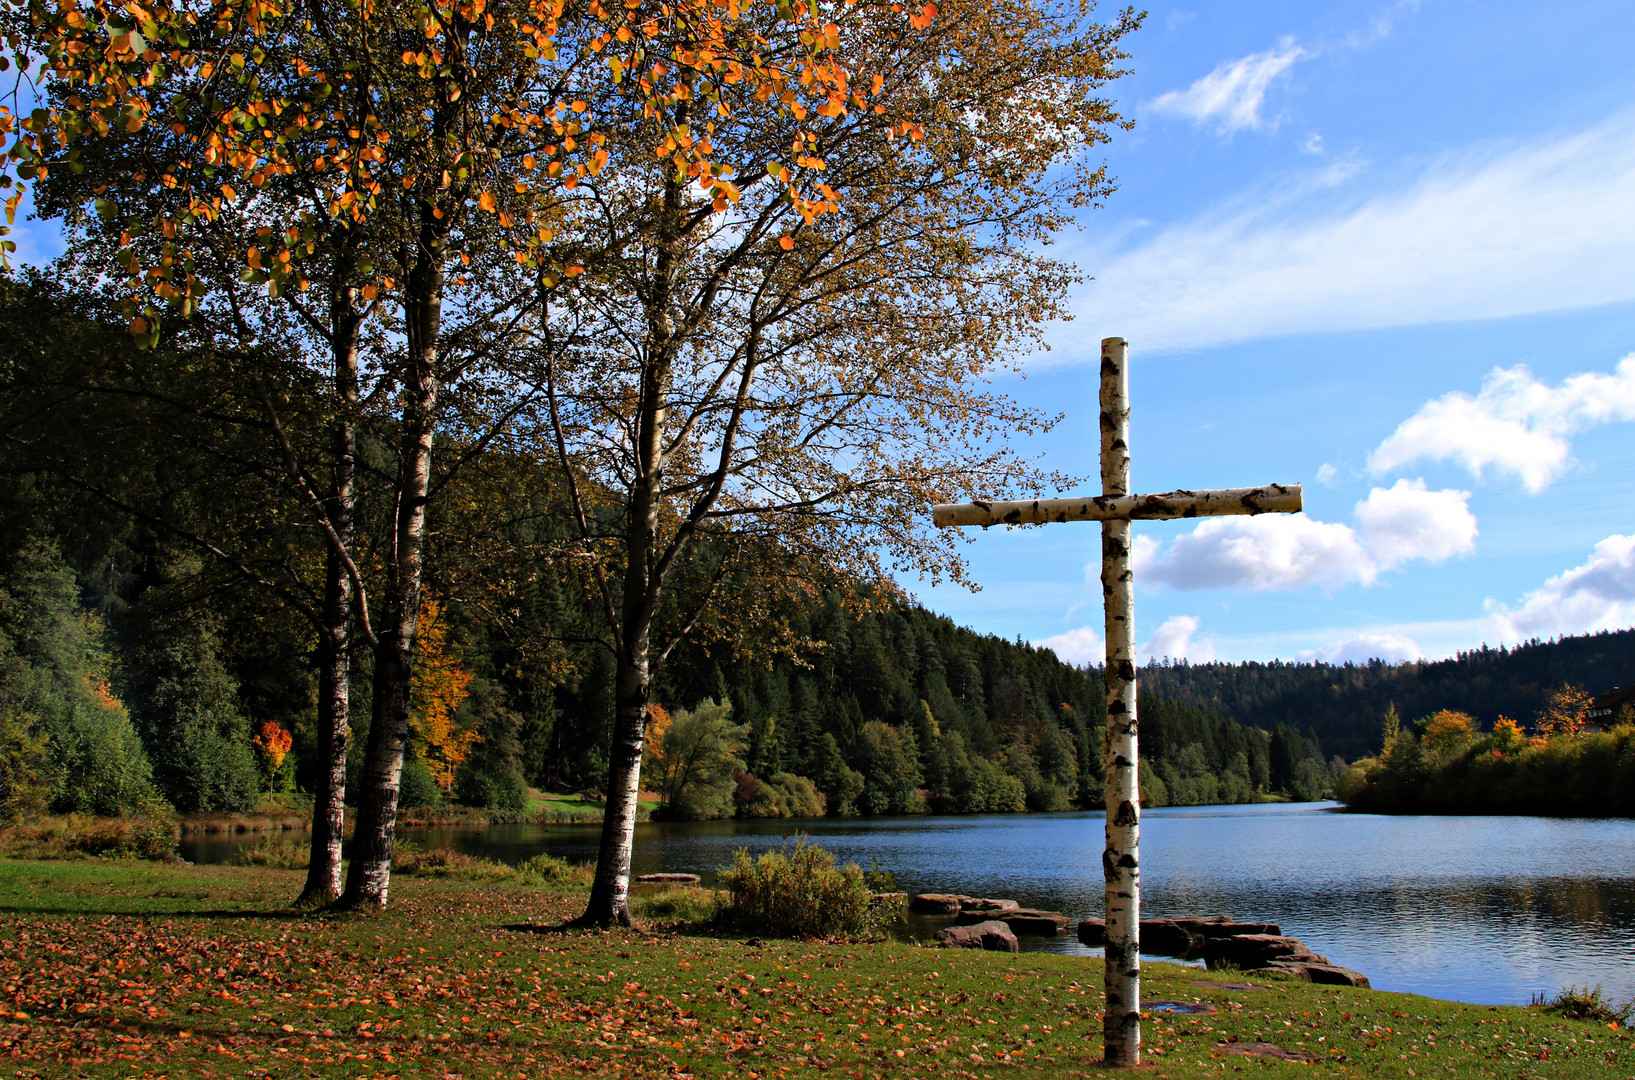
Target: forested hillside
1344, 705
161, 638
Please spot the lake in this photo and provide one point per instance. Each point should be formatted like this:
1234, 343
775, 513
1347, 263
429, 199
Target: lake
1488, 910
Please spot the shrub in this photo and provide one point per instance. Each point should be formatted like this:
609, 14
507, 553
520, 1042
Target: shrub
275, 853
552, 872
684, 906
80, 836
799, 892
1587, 1003
447, 863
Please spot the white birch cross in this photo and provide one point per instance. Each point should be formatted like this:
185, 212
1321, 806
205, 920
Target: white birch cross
1115, 508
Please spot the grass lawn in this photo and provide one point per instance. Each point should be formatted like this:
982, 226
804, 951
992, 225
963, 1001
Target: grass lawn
124, 969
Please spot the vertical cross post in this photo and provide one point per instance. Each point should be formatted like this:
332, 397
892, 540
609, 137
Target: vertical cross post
1120, 859
1115, 508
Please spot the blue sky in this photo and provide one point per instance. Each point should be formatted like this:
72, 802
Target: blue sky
1383, 249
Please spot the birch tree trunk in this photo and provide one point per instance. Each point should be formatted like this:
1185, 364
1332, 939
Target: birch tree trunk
610, 890
324, 882
1120, 863
369, 879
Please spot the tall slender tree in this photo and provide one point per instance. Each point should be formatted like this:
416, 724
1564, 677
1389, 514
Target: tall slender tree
740, 365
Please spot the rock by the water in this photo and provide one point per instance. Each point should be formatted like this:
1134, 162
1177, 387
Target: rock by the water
993, 935
880, 899
1021, 920
984, 904
1328, 974
1253, 950
1168, 937
1211, 926
938, 903
1093, 932
669, 879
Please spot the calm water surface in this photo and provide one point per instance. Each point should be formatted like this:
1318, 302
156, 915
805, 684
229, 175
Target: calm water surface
1480, 909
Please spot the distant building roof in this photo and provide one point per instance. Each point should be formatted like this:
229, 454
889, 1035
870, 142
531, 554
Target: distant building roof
1608, 704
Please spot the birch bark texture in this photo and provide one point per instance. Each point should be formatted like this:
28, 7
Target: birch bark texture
1116, 508
1120, 859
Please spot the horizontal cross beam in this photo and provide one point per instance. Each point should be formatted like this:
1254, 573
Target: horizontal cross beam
1271, 499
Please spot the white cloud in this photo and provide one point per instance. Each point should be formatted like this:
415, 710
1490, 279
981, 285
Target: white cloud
1327, 474
1392, 648
1515, 424
1079, 647
1231, 96
1599, 595
1405, 521
1174, 640
1267, 552
1526, 228
1276, 551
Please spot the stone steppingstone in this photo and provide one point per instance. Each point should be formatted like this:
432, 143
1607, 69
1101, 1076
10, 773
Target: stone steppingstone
938, 903
992, 935
1021, 920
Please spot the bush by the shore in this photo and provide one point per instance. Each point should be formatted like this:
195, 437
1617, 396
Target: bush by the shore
81, 836
800, 892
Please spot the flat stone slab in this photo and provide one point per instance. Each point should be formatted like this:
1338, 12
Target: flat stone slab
1021, 920
1093, 932
1327, 974
938, 903
1267, 1050
669, 879
1253, 950
981, 904
992, 935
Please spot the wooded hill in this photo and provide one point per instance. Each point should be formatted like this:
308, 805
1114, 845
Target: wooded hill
153, 569
1344, 705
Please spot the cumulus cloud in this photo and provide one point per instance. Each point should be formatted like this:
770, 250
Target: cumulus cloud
1499, 230
1231, 96
1079, 647
1174, 640
1515, 424
1275, 551
1269, 552
1405, 521
1392, 648
1599, 595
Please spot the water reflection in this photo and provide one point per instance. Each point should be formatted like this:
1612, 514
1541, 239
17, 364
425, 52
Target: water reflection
1487, 910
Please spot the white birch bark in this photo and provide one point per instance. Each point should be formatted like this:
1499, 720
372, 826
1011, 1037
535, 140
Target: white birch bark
1120, 861
1270, 499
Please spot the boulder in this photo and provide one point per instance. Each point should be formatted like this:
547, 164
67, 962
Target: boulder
668, 879
992, 935
1253, 950
1328, 974
1211, 926
1168, 937
1021, 920
984, 904
1093, 932
931, 903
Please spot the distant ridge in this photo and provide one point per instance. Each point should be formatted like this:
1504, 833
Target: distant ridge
1344, 704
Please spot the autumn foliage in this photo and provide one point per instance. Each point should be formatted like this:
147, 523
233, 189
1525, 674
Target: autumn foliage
440, 685
273, 743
